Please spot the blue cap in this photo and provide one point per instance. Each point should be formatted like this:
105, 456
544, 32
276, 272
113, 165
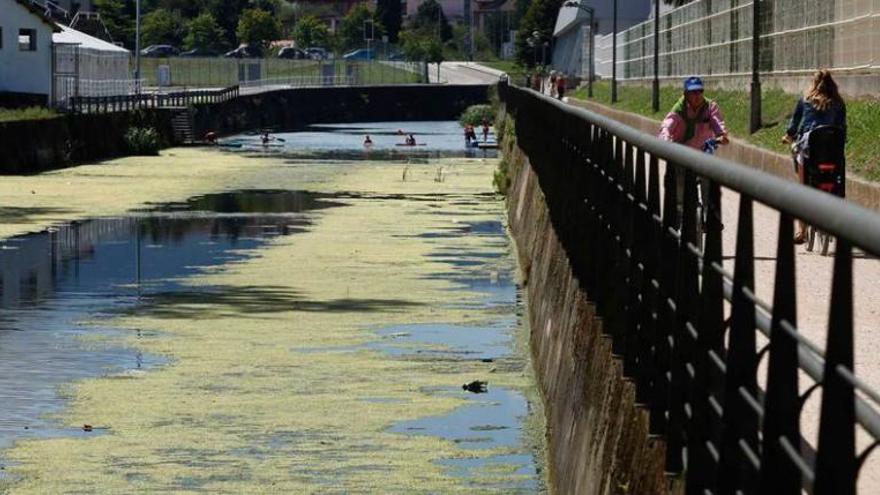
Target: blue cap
693, 84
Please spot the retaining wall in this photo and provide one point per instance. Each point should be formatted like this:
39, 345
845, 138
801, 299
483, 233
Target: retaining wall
598, 437
31, 146
296, 108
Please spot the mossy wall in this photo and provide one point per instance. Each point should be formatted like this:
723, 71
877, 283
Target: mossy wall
31, 146
598, 435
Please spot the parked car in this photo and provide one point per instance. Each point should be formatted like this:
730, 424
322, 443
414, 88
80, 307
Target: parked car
244, 51
199, 52
317, 53
159, 51
397, 57
360, 54
293, 53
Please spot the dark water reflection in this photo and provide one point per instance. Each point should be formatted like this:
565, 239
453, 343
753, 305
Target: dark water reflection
93, 269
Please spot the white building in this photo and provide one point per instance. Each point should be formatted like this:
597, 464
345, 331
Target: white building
25, 49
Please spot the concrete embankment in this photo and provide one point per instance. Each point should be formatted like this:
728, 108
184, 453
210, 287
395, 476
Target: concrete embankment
295, 108
31, 146
37, 145
598, 435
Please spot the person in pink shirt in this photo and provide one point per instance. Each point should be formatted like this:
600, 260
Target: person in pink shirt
694, 119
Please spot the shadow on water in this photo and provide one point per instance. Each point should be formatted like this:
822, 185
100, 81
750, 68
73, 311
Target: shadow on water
89, 270
15, 214
253, 299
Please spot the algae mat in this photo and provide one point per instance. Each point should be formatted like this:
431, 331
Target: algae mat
275, 387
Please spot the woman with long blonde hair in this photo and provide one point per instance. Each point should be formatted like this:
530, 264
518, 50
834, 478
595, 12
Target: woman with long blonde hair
821, 105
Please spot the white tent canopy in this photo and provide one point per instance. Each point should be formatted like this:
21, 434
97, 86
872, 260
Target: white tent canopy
88, 66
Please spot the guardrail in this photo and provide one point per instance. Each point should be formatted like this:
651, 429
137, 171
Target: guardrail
124, 103
662, 301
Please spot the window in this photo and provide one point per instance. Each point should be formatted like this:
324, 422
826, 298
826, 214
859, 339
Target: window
27, 40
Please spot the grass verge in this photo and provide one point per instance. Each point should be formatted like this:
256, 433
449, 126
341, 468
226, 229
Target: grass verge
863, 148
30, 113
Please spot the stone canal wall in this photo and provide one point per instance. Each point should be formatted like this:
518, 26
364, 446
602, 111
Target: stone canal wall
598, 437
295, 108
36, 145
31, 146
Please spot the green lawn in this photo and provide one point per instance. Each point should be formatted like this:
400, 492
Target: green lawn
32, 113
863, 147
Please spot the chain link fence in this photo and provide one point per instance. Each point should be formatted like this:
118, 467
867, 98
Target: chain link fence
223, 72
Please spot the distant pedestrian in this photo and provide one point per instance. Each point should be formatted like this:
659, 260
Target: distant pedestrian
367, 141
553, 77
485, 130
560, 85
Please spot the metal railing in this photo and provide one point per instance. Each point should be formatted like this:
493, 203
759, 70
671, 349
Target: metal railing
662, 301
124, 103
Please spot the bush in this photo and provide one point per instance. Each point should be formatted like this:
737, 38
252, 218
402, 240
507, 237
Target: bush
475, 114
142, 141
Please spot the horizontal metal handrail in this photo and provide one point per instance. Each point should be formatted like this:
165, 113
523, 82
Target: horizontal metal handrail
661, 295
859, 225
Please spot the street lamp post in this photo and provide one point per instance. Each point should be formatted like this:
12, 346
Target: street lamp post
755, 117
589, 10
614, 57
137, 47
655, 87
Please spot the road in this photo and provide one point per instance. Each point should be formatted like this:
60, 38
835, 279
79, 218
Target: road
463, 73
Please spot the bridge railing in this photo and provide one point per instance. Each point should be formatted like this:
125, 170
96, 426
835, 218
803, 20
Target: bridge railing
663, 302
127, 102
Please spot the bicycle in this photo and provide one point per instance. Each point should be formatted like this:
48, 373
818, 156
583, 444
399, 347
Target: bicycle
709, 147
824, 165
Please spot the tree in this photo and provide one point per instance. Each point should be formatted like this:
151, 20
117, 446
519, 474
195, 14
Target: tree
227, 13
390, 15
205, 33
541, 18
430, 17
118, 17
161, 27
310, 31
351, 30
258, 28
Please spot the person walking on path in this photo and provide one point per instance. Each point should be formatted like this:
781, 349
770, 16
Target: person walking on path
821, 105
560, 85
552, 85
485, 130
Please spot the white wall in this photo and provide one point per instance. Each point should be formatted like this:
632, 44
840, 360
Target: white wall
24, 72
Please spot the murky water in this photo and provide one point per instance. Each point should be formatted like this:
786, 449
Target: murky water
51, 281
95, 269
346, 142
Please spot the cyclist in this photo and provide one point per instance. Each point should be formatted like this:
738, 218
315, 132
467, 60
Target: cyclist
820, 105
693, 121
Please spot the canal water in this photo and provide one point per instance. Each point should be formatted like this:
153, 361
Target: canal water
61, 287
